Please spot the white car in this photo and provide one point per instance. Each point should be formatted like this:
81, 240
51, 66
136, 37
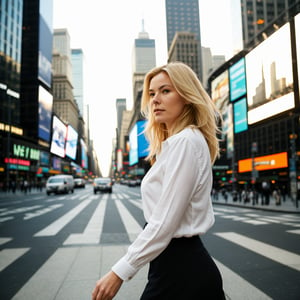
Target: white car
60, 184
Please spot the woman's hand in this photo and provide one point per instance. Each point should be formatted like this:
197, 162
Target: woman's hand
107, 287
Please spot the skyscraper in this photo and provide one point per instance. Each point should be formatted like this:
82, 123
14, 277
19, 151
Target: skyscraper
10, 61
183, 16
143, 59
262, 18
64, 105
120, 107
77, 74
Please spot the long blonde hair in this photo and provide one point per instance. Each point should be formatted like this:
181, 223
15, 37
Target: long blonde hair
200, 111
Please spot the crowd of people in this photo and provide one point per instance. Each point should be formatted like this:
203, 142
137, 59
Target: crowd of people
23, 185
252, 195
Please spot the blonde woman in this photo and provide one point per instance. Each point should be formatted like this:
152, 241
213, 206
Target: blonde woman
181, 129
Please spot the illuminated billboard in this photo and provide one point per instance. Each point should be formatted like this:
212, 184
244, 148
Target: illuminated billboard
261, 163
84, 158
297, 28
138, 144
133, 146
220, 91
269, 77
240, 115
220, 96
143, 144
45, 114
45, 41
237, 80
59, 131
71, 142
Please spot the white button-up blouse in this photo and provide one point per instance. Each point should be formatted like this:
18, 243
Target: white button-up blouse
176, 199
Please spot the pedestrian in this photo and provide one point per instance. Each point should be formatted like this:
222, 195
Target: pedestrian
181, 130
277, 196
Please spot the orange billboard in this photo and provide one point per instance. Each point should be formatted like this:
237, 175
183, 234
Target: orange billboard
267, 162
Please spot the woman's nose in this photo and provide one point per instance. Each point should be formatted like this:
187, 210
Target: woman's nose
155, 99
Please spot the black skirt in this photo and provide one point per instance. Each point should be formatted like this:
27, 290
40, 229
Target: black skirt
184, 271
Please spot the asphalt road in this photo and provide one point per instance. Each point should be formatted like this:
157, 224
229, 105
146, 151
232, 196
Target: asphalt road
258, 252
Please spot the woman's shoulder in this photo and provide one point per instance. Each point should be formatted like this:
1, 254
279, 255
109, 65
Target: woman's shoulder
189, 134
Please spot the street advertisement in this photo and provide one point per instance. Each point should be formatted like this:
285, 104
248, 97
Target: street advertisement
237, 80
59, 131
269, 77
143, 144
71, 142
240, 115
45, 114
45, 41
262, 163
297, 29
84, 158
133, 146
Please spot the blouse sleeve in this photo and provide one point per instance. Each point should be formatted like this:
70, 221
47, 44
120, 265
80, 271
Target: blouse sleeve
180, 180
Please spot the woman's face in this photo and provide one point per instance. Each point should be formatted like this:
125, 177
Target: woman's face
165, 103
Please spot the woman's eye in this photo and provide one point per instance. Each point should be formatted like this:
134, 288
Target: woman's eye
166, 91
151, 95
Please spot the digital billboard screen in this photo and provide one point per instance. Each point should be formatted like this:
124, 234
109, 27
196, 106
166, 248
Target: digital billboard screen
297, 34
143, 143
237, 80
84, 158
220, 91
220, 96
240, 115
269, 77
133, 146
45, 41
71, 142
45, 114
59, 131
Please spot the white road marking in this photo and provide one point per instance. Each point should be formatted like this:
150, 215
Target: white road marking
233, 284
133, 228
281, 256
91, 234
60, 223
8, 256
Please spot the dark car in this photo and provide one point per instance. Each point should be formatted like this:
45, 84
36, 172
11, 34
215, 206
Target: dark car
79, 183
102, 184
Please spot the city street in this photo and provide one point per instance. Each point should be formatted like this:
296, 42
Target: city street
57, 246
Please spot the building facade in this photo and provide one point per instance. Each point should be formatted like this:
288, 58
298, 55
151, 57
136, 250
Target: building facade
183, 16
77, 60
257, 92
143, 60
185, 48
27, 128
262, 18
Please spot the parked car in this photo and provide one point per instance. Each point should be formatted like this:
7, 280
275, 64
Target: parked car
60, 184
102, 184
132, 182
79, 183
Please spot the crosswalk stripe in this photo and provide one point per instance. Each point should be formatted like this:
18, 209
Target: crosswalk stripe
255, 222
57, 225
296, 231
137, 203
8, 256
4, 240
133, 228
91, 234
233, 284
279, 255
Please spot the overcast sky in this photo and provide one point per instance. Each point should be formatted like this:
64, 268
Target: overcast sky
105, 31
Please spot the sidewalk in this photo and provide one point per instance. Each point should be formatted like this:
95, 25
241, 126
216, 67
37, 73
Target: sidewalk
287, 206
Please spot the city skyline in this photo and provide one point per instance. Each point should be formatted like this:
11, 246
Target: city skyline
108, 67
